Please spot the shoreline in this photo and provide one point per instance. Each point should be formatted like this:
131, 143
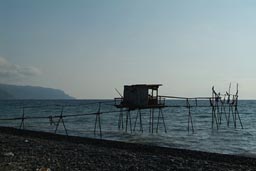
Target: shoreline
31, 150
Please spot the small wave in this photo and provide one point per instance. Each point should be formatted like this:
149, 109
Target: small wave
247, 154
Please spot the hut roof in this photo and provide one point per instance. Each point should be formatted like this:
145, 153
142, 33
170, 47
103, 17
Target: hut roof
149, 86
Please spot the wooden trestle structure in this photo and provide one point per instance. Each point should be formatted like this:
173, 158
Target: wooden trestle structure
220, 104
142, 98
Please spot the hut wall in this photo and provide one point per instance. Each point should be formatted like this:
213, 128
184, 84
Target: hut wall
136, 96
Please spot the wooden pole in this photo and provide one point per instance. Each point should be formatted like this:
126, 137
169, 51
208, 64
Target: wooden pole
22, 119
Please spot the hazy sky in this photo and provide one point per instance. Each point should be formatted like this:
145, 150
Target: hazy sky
88, 48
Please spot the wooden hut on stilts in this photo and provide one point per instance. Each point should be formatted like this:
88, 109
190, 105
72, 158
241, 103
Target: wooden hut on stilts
137, 98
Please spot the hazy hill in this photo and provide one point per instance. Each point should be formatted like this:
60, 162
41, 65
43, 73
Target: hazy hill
30, 92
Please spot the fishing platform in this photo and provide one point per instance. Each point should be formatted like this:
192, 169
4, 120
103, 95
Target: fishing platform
140, 97
144, 101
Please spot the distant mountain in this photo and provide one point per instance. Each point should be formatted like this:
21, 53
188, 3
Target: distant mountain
31, 92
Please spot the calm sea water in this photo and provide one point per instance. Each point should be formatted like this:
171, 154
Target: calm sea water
228, 140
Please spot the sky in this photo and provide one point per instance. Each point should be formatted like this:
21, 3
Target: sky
90, 47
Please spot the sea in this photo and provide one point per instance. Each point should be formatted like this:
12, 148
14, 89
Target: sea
79, 117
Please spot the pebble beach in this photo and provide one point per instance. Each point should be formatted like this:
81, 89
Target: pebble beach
23, 150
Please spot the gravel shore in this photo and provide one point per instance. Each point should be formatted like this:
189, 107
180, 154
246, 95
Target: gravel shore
22, 150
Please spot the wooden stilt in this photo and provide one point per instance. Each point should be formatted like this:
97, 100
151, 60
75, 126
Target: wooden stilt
61, 120
97, 121
138, 115
22, 119
190, 121
160, 115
